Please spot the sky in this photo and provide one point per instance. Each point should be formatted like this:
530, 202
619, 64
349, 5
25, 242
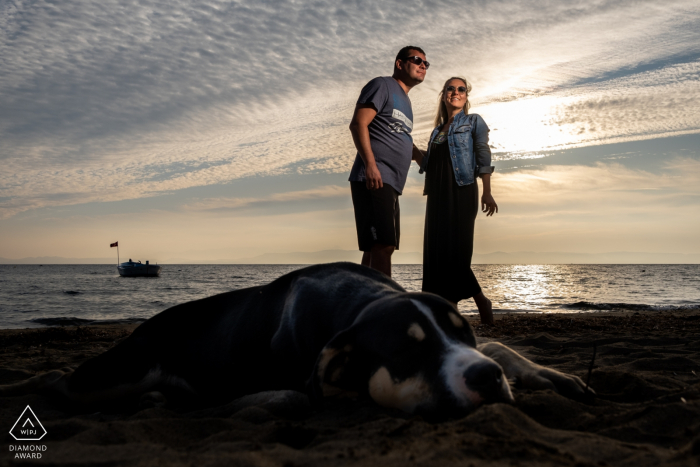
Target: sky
218, 130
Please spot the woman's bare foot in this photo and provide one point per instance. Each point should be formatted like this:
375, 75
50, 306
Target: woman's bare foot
485, 308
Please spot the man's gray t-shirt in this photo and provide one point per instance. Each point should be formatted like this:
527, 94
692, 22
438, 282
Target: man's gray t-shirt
389, 132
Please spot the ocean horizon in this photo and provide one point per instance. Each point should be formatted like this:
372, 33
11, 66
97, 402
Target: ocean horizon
56, 295
399, 257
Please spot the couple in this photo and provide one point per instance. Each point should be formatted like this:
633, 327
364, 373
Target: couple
458, 151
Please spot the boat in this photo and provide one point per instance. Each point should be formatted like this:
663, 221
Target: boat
138, 269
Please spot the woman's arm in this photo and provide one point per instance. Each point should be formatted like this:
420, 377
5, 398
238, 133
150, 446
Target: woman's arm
482, 154
482, 151
488, 204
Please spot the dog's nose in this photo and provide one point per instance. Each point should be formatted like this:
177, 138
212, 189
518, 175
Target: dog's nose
486, 378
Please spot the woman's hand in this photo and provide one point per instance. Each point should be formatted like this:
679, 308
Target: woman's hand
488, 204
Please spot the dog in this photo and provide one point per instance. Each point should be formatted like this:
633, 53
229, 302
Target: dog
327, 330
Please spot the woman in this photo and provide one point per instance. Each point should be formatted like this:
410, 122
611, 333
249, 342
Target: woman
458, 151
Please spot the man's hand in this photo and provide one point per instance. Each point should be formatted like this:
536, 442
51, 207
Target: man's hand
488, 204
359, 127
373, 178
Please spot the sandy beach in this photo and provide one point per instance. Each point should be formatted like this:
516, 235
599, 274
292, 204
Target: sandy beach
646, 373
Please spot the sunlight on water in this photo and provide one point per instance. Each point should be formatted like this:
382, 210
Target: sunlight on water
530, 284
574, 287
33, 295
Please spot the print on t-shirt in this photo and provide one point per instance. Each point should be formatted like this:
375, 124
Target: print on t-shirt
399, 113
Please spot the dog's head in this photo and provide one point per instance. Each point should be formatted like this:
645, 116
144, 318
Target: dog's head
413, 352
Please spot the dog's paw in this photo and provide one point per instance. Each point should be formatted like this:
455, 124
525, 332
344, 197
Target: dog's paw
545, 378
528, 374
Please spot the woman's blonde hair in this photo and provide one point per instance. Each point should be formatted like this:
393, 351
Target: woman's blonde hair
441, 117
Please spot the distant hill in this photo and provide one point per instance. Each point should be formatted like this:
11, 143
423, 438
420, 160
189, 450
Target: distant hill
615, 257
58, 260
498, 257
406, 257
325, 256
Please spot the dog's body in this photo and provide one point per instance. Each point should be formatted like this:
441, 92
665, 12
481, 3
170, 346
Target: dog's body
323, 329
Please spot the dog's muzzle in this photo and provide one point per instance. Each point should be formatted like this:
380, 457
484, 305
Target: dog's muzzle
486, 378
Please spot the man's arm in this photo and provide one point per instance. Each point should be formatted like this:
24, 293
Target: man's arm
359, 127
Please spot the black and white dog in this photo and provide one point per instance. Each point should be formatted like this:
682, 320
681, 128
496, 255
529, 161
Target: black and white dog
324, 330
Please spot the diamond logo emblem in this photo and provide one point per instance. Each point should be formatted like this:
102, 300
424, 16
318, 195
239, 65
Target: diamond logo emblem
28, 427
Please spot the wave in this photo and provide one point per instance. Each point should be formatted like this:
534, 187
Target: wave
628, 306
72, 321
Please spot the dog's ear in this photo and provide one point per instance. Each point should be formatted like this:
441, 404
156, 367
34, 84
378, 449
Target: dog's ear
337, 369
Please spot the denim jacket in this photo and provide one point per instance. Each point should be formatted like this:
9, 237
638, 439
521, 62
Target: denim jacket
465, 132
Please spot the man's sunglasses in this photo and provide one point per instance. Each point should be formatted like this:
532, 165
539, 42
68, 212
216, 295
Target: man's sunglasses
417, 60
459, 89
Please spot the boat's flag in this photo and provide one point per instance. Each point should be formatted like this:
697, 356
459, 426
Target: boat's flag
112, 245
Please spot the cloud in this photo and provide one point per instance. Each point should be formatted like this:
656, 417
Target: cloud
557, 189
579, 208
594, 209
624, 108
649, 104
105, 101
279, 201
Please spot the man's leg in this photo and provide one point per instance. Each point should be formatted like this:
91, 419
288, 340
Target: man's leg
377, 216
362, 203
386, 226
381, 258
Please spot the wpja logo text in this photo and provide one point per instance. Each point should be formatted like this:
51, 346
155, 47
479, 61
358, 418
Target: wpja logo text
28, 451
28, 428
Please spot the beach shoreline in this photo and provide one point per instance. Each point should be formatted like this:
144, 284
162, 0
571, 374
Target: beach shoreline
646, 373
471, 316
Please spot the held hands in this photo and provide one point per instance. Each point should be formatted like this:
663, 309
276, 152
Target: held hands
488, 204
418, 155
373, 178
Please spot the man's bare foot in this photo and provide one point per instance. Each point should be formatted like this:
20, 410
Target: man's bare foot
485, 308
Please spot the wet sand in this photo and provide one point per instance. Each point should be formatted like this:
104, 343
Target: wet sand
647, 413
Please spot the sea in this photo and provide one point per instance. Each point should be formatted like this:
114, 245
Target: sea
67, 295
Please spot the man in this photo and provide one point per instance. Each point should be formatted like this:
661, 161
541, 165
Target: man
381, 129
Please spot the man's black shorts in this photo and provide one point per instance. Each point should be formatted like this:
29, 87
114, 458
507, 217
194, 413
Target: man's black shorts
376, 215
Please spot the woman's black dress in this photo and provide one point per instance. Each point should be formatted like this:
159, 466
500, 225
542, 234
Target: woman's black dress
448, 241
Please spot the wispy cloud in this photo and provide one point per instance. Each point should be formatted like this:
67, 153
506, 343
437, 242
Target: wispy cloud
577, 208
568, 188
649, 104
280, 201
103, 101
605, 207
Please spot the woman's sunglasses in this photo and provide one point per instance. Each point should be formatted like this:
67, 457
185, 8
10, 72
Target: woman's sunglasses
417, 60
459, 89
